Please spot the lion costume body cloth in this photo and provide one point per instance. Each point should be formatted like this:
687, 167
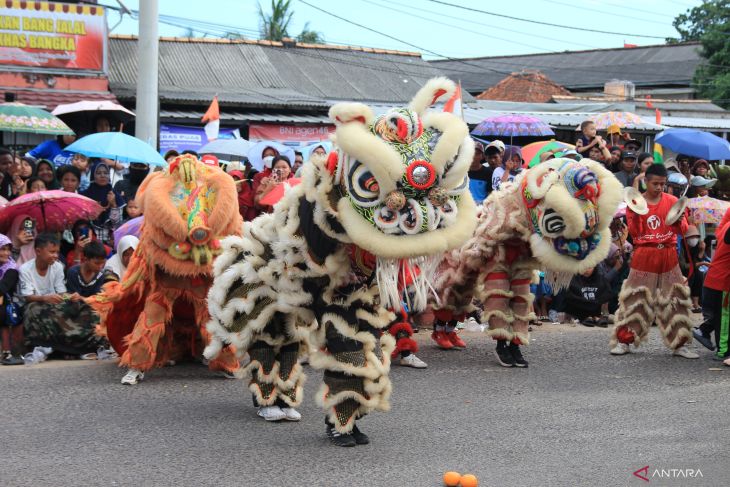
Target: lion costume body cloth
158, 312
553, 217
392, 195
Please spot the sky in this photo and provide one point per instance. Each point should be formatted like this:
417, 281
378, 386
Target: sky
434, 29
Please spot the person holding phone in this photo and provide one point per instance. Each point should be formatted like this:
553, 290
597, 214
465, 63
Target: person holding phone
22, 233
83, 234
280, 172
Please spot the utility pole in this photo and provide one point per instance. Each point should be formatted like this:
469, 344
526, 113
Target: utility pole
147, 71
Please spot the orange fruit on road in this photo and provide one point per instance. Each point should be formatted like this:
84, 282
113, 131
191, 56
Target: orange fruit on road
451, 479
469, 480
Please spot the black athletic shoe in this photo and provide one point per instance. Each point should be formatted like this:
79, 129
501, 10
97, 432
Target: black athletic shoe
703, 339
340, 439
517, 357
503, 354
360, 437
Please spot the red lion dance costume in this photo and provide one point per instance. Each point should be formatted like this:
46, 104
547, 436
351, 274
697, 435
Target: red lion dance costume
555, 217
157, 314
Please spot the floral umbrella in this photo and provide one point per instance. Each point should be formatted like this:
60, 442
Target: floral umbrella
17, 117
512, 126
54, 210
626, 120
707, 210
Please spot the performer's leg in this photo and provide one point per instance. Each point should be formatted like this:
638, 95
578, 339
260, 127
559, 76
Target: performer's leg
442, 318
635, 313
711, 313
356, 373
522, 313
452, 336
142, 344
674, 311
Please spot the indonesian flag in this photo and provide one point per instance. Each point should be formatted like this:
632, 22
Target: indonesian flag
629, 46
453, 104
658, 116
213, 117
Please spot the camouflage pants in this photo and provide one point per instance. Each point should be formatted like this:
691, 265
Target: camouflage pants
68, 327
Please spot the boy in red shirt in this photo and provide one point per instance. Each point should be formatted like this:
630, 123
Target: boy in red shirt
655, 289
716, 296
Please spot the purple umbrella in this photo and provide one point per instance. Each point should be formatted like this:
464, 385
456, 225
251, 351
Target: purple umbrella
131, 227
512, 126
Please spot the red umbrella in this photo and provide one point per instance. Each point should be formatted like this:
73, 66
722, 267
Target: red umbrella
53, 210
277, 192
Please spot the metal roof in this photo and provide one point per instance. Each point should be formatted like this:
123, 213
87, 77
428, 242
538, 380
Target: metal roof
249, 73
671, 64
243, 116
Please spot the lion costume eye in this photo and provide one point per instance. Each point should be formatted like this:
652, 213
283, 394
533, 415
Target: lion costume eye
552, 224
362, 185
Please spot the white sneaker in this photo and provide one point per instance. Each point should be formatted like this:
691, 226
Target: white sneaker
413, 361
291, 414
620, 349
132, 377
685, 352
271, 413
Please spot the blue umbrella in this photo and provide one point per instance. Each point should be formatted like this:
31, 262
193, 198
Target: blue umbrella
117, 146
695, 143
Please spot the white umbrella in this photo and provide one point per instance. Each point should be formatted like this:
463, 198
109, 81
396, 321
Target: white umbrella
227, 147
82, 114
254, 154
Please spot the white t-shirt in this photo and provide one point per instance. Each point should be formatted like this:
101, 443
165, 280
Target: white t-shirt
33, 284
497, 177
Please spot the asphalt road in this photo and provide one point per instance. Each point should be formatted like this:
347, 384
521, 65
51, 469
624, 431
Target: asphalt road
577, 416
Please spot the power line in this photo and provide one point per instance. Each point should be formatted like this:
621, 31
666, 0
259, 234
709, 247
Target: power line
440, 22
569, 27
391, 37
499, 27
623, 16
635, 9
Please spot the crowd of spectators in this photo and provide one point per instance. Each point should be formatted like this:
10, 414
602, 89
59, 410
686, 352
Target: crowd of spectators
592, 297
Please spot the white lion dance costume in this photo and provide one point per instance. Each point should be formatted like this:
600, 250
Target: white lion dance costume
554, 217
392, 195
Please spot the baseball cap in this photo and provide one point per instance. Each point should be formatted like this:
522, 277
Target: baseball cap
632, 141
571, 154
628, 154
236, 174
677, 178
495, 145
671, 163
699, 181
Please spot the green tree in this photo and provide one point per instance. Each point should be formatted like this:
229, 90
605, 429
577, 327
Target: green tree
308, 36
274, 25
709, 23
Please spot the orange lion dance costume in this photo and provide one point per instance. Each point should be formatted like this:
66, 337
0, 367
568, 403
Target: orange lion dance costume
157, 314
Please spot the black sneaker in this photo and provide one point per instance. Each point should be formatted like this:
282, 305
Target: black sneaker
503, 354
12, 360
340, 439
517, 357
360, 437
703, 339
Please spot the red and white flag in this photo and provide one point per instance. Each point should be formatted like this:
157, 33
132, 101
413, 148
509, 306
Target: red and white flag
213, 117
453, 104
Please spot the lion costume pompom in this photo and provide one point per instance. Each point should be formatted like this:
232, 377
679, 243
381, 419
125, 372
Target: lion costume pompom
158, 311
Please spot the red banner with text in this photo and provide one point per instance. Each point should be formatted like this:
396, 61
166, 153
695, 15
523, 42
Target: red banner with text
52, 35
290, 132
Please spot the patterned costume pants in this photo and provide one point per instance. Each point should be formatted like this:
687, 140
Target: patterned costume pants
276, 375
67, 327
507, 300
356, 361
647, 297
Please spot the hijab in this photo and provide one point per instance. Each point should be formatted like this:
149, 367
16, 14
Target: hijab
10, 264
115, 263
25, 252
54, 184
97, 192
